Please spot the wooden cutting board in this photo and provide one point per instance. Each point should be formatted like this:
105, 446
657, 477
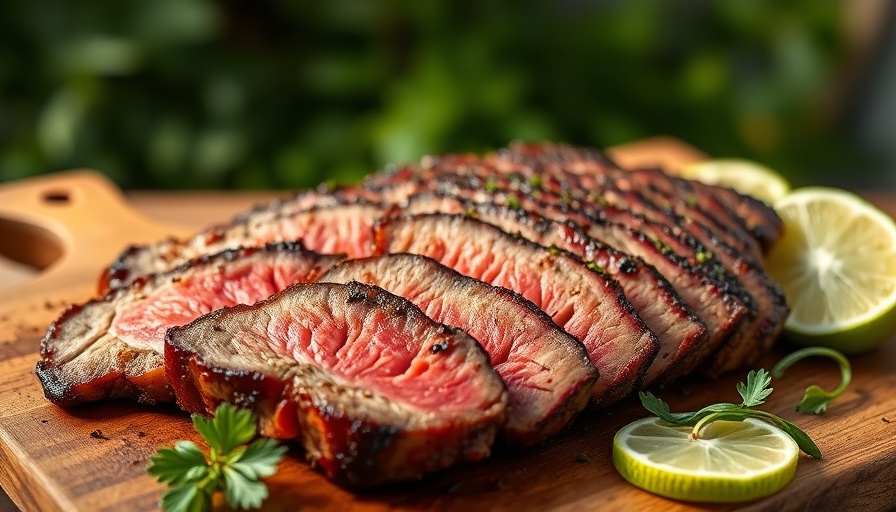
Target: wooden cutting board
94, 457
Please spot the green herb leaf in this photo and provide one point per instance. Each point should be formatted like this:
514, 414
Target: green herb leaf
229, 428
754, 392
806, 444
231, 466
756, 389
242, 491
260, 459
183, 463
186, 497
816, 400
658, 407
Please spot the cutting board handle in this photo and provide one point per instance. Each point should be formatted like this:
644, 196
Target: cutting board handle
69, 225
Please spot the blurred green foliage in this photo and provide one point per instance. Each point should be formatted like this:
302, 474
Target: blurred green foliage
195, 93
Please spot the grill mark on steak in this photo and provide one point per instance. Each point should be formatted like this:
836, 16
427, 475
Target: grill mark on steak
351, 372
320, 228
548, 374
111, 347
659, 305
586, 303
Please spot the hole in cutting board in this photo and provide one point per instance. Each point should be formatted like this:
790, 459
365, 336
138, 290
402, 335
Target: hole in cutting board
56, 197
25, 249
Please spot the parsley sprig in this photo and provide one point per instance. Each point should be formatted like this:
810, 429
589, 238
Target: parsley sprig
232, 465
753, 392
816, 400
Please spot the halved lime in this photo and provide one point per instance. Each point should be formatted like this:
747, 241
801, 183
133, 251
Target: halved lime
745, 176
730, 461
837, 266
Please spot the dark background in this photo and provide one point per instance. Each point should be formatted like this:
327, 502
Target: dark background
236, 94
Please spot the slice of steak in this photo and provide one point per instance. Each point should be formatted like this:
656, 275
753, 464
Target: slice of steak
675, 325
548, 373
324, 229
373, 389
585, 301
112, 346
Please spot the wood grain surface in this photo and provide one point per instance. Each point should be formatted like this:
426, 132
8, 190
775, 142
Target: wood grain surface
94, 457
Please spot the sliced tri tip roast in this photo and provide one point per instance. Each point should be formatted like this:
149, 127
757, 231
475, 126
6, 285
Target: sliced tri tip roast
581, 282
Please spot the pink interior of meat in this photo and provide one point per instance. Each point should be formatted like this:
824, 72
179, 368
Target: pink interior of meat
346, 229
558, 289
381, 352
142, 323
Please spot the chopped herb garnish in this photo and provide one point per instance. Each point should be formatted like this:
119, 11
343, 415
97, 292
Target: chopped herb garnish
594, 267
753, 392
232, 465
816, 400
598, 198
703, 257
662, 247
491, 186
554, 250
512, 201
535, 182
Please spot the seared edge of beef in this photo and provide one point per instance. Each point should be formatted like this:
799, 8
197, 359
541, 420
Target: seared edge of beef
548, 373
359, 430
82, 360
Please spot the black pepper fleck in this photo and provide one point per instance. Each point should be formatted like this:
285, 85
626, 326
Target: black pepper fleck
98, 434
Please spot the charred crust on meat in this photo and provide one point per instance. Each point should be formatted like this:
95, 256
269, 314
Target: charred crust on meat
626, 265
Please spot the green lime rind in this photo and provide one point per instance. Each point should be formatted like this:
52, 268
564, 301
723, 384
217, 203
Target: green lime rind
852, 340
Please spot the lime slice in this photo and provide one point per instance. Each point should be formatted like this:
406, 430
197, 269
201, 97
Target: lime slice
837, 266
746, 177
731, 460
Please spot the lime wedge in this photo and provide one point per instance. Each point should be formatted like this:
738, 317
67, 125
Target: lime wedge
837, 266
745, 176
730, 461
